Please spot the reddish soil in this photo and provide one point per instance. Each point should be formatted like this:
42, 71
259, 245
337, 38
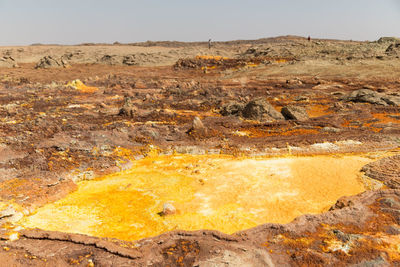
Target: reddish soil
53, 135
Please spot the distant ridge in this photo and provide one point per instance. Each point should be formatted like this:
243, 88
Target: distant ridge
277, 39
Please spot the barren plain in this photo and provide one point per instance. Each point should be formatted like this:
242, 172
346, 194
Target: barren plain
272, 152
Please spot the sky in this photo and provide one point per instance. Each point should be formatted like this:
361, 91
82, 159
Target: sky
24, 22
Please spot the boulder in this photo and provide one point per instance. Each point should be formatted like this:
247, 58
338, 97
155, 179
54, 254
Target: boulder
295, 113
128, 109
259, 109
232, 108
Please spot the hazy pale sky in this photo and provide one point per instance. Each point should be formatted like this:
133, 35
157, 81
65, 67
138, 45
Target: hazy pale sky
76, 21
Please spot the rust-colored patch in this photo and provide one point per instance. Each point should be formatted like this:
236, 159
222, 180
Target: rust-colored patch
317, 110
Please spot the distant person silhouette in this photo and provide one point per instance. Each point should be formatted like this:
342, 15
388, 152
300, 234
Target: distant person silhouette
309, 38
209, 43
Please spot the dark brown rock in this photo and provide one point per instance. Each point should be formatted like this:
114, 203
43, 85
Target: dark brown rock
232, 108
128, 109
295, 113
261, 110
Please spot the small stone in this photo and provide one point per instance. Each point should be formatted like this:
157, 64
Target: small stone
128, 109
13, 236
83, 176
295, 81
331, 130
197, 127
198, 124
168, 209
302, 98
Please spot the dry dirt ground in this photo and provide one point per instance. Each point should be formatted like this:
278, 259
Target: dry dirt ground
339, 97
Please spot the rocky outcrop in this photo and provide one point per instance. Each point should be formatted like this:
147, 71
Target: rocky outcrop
50, 62
367, 96
383, 40
393, 49
386, 170
113, 60
109, 60
372, 97
129, 60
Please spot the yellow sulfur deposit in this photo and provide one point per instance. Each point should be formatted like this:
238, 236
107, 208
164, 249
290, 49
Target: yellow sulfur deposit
218, 192
209, 57
79, 85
